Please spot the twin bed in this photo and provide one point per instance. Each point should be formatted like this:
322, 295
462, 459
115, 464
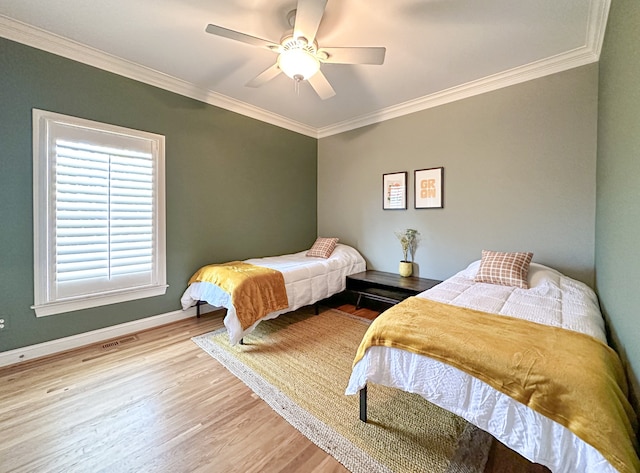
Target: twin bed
561, 400
307, 280
582, 396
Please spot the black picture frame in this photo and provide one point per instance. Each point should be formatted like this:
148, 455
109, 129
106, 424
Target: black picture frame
394, 191
429, 188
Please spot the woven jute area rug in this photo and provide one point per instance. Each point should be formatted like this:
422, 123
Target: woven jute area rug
300, 363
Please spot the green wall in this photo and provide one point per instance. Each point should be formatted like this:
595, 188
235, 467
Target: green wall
236, 187
618, 191
519, 175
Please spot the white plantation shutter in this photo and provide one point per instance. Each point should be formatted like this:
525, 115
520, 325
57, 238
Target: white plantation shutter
104, 218
98, 214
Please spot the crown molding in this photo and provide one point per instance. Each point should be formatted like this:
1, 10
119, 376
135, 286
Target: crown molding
40, 39
58, 45
587, 54
597, 24
513, 76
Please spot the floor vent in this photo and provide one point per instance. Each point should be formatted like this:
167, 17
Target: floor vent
117, 343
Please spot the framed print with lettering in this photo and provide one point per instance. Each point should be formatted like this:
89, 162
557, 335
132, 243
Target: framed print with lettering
394, 191
428, 188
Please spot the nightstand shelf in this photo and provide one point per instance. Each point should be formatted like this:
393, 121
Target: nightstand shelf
384, 287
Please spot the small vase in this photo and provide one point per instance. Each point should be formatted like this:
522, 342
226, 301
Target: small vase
406, 268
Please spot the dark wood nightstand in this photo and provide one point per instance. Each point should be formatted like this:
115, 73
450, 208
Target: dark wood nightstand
386, 287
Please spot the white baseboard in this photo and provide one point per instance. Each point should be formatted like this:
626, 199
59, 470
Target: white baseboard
95, 336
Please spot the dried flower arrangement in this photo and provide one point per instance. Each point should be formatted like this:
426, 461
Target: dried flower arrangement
409, 241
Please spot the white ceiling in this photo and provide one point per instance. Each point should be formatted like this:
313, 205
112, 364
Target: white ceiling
437, 50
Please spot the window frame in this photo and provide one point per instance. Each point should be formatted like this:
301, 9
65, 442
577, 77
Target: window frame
45, 302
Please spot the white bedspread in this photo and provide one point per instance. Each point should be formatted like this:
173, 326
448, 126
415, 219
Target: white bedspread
307, 281
552, 299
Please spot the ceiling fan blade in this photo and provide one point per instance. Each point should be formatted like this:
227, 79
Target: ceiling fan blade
308, 16
354, 55
321, 85
244, 38
264, 77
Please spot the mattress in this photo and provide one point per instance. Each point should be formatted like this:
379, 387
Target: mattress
552, 299
307, 281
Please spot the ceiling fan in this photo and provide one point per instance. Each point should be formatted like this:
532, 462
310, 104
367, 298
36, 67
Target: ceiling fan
299, 56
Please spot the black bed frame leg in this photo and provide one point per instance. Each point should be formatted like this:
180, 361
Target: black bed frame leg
198, 309
363, 404
316, 307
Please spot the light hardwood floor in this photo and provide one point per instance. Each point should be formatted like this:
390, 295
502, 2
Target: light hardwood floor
155, 402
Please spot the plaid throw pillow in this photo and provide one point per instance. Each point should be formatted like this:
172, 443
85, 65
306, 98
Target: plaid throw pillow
323, 247
505, 269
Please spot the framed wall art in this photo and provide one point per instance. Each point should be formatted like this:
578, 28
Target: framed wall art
394, 191
428, 188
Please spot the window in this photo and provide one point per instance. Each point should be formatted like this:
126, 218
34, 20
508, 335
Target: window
99, 213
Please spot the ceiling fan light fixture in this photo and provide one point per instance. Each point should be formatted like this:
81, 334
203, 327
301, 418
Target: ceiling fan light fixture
298, 64
298, 54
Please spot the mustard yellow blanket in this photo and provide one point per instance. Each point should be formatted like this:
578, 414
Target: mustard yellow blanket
255, 290
572, 378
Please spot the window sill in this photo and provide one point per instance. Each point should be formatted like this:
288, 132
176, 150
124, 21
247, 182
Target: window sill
61, 307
